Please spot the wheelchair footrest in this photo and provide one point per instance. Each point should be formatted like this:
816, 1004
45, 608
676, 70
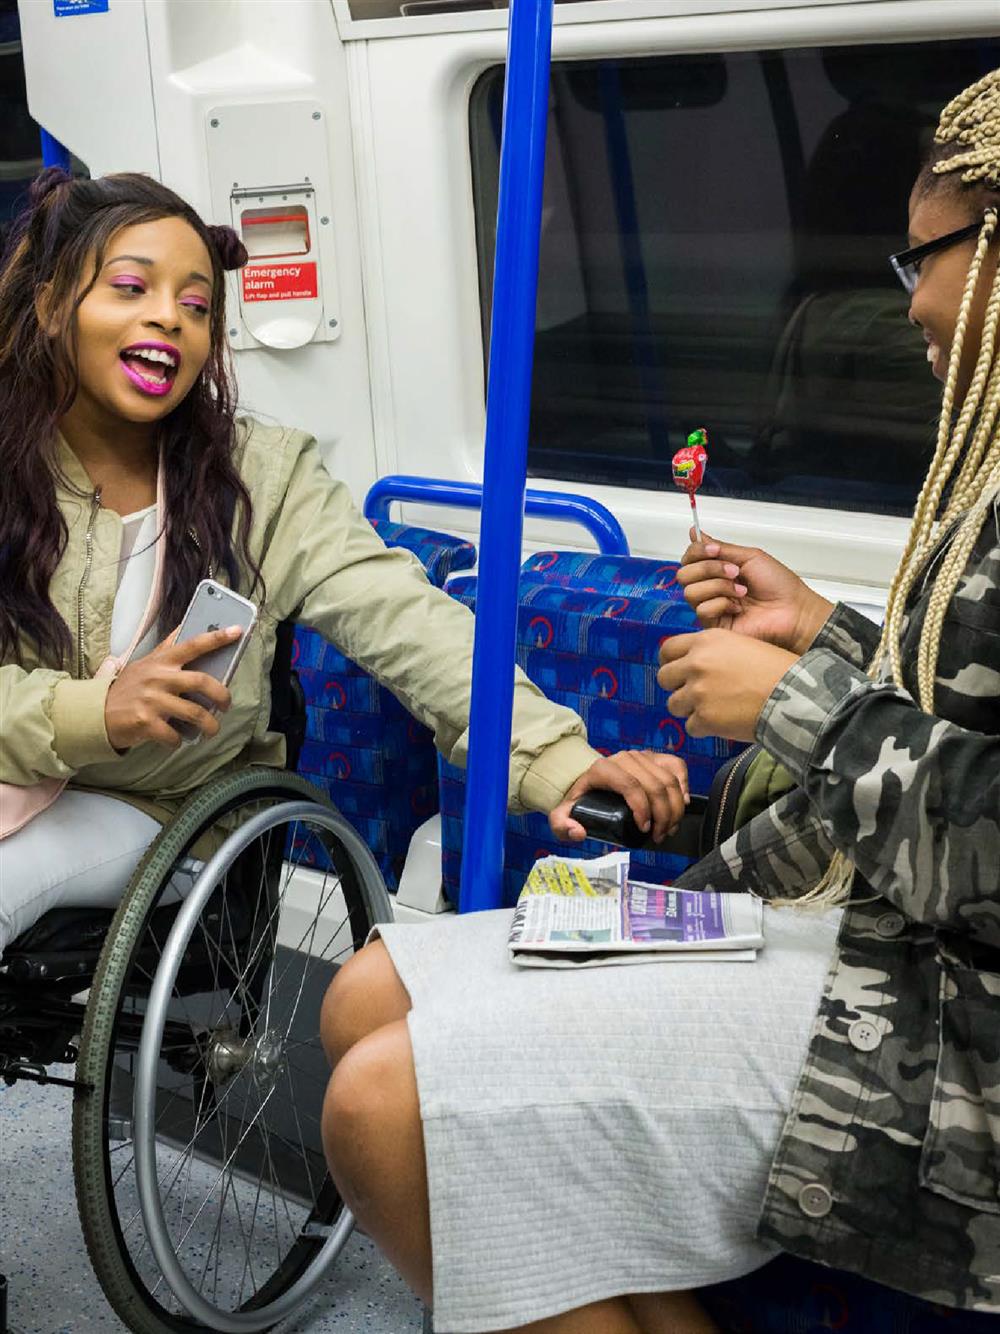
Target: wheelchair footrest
12, 1071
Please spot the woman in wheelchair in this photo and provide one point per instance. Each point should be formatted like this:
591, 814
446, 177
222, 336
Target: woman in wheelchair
128, 478
577, 1151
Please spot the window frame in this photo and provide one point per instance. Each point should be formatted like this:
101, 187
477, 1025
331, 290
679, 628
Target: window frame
421, 272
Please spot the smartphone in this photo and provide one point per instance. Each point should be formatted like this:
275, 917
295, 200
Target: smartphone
214, 607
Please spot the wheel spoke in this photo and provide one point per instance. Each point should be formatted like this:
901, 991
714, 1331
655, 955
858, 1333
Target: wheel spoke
274, 1201
226, 1165
298, 1127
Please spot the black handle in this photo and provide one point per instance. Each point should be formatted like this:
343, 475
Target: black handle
606, 816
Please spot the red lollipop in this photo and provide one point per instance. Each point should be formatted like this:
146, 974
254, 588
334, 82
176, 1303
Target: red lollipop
689, 469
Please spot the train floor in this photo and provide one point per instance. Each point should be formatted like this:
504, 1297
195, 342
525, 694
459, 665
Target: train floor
52, 1289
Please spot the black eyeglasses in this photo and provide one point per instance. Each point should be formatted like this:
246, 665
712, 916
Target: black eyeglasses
906, 263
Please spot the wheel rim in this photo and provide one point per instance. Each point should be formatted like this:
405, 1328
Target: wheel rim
243, 1062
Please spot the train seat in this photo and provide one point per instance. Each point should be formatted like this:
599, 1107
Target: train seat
358, 735
588, 632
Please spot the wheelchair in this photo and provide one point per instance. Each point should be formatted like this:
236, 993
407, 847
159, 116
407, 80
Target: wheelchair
192, 1016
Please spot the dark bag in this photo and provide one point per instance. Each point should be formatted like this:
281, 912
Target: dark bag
744, 786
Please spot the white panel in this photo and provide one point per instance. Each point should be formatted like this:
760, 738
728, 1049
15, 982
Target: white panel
424, 289
110, 124
207, 55
266, 158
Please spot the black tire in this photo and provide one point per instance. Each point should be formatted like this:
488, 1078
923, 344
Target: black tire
102, 1158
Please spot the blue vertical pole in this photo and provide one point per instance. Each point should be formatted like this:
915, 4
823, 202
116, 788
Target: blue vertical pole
508, 404
54, 154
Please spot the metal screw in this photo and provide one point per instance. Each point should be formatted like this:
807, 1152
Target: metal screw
333, 324
324, 221
233, 333
316, 115
284, 196
214, 123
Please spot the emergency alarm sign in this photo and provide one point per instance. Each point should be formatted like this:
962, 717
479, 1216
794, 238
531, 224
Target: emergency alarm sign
271, 181
279, 282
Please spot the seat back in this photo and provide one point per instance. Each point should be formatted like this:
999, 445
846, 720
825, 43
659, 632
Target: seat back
288, 700
377, 763
588, 634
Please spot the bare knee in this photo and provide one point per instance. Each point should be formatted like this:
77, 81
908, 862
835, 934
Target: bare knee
371, 1116
365, 994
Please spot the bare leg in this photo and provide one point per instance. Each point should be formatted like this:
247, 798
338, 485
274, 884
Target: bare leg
671, 1313
610, 1317
374, 1145
365, 995
655, 1313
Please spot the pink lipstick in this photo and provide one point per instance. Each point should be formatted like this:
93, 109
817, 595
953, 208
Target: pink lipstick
151, 367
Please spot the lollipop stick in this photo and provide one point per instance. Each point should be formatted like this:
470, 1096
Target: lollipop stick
694, 515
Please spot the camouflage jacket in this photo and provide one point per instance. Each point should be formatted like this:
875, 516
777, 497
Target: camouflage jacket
889, 1163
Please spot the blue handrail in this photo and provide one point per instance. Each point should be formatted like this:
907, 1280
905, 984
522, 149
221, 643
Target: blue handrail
54, 154
505, 467
602, 525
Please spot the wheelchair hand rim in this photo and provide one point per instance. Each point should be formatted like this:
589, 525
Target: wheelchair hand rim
227, 1322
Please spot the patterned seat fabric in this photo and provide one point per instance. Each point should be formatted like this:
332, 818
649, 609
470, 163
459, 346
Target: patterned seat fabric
360, 741
626, 576
589, 630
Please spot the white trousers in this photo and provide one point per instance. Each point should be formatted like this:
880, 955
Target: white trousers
81, 852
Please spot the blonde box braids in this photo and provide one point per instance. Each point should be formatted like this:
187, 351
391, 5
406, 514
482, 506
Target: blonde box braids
970, 127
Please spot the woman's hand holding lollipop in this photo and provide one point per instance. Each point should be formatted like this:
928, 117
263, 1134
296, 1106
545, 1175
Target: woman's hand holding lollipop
745, 590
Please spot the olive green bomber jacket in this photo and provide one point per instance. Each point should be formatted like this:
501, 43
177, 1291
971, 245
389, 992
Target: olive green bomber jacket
323, 565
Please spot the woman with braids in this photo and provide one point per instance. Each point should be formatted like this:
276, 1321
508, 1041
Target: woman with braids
573, 1153
127, 478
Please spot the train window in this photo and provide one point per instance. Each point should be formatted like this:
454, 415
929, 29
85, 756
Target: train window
715, 233
391, 9
20, 148
20, 143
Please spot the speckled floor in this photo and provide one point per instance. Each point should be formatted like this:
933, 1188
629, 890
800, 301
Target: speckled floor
52, 1288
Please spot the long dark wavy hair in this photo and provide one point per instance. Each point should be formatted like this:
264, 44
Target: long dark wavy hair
55, 251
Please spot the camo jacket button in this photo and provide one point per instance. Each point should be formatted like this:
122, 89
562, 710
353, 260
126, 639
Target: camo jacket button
815, 1200
863, 1035
890, 924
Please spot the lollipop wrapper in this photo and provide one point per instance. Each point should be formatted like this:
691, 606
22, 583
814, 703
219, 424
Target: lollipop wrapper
689, 467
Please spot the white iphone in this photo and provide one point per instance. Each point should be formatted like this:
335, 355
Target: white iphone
214, 607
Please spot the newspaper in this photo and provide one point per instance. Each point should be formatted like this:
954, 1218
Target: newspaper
580, 914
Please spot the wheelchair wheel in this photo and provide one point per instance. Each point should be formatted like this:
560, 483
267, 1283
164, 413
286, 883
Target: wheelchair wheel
202, 1186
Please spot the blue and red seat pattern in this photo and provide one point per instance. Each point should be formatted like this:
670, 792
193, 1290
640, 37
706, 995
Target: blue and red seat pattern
376, 762
589, 629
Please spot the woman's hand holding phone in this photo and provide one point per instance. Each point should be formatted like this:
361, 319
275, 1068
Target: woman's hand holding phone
148, 694
745, 590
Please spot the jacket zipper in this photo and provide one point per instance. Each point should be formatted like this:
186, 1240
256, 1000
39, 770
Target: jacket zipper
741, 763
88, 541
194, 538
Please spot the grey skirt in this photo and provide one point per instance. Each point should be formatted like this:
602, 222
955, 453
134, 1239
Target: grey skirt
600, 1132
